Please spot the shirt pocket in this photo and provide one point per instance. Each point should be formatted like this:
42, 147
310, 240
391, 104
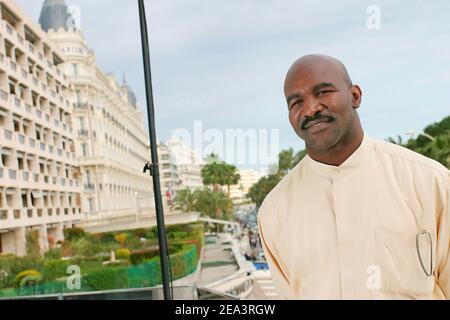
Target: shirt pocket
400, 268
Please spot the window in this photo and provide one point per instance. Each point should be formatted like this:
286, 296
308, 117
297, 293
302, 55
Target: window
84, 149
74, 69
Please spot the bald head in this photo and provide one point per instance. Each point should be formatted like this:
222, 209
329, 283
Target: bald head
322, 104
322, 64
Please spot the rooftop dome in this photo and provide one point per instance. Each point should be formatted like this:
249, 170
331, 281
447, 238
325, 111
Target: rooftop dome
131, 96
54, 15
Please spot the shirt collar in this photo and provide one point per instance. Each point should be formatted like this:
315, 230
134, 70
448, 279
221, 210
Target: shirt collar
356, 159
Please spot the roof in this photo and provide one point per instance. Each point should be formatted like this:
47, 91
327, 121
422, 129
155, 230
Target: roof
54, 15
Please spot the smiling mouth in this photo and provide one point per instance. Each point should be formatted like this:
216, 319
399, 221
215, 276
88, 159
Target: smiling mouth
317, 124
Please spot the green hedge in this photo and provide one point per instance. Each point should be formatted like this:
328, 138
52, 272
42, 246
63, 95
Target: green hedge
147, 274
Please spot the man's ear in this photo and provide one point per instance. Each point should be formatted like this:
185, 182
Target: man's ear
356, 96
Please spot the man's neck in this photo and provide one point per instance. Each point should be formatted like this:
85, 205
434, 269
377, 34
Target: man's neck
340, 152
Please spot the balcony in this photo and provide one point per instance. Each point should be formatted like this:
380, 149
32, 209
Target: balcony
89, 187
12, 174
9, 28
83, 133
82, 106
8, 134
31, 48
13, 65
4, 214
17, 214
17, 102
4, 95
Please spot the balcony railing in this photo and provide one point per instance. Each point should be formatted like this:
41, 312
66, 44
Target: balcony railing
3, 95
83, 133
4, 214
8, 134
17, 214
9, 28
89, 187
12, 174
17, 102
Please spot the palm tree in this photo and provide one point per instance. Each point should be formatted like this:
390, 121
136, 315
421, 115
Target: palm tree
185, 200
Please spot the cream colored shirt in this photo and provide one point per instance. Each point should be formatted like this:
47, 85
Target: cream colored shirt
351, 232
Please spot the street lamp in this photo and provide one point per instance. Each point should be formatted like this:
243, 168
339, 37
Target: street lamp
153, 167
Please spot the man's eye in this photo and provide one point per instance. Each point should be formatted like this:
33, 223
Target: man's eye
296, 103
321, 93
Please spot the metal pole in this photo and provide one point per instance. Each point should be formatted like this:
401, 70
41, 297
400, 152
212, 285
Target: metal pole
154, 166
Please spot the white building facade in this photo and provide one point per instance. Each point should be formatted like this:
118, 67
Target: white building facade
40, 185
112, 144
189, 165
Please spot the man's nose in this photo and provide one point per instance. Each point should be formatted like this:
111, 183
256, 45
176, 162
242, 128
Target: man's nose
311, 107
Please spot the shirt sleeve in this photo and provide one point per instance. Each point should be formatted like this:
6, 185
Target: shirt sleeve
443, 245
280, 280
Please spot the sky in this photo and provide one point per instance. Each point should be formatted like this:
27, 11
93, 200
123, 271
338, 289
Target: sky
224, 62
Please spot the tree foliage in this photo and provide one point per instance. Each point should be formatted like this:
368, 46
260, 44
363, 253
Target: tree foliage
434, 143
218, 173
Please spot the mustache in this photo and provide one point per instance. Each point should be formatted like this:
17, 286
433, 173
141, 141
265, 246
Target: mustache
318, 116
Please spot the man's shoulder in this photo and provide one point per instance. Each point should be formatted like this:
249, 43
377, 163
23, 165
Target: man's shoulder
283, 188
406, 158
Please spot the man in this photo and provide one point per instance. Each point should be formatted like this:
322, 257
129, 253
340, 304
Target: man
356, 218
